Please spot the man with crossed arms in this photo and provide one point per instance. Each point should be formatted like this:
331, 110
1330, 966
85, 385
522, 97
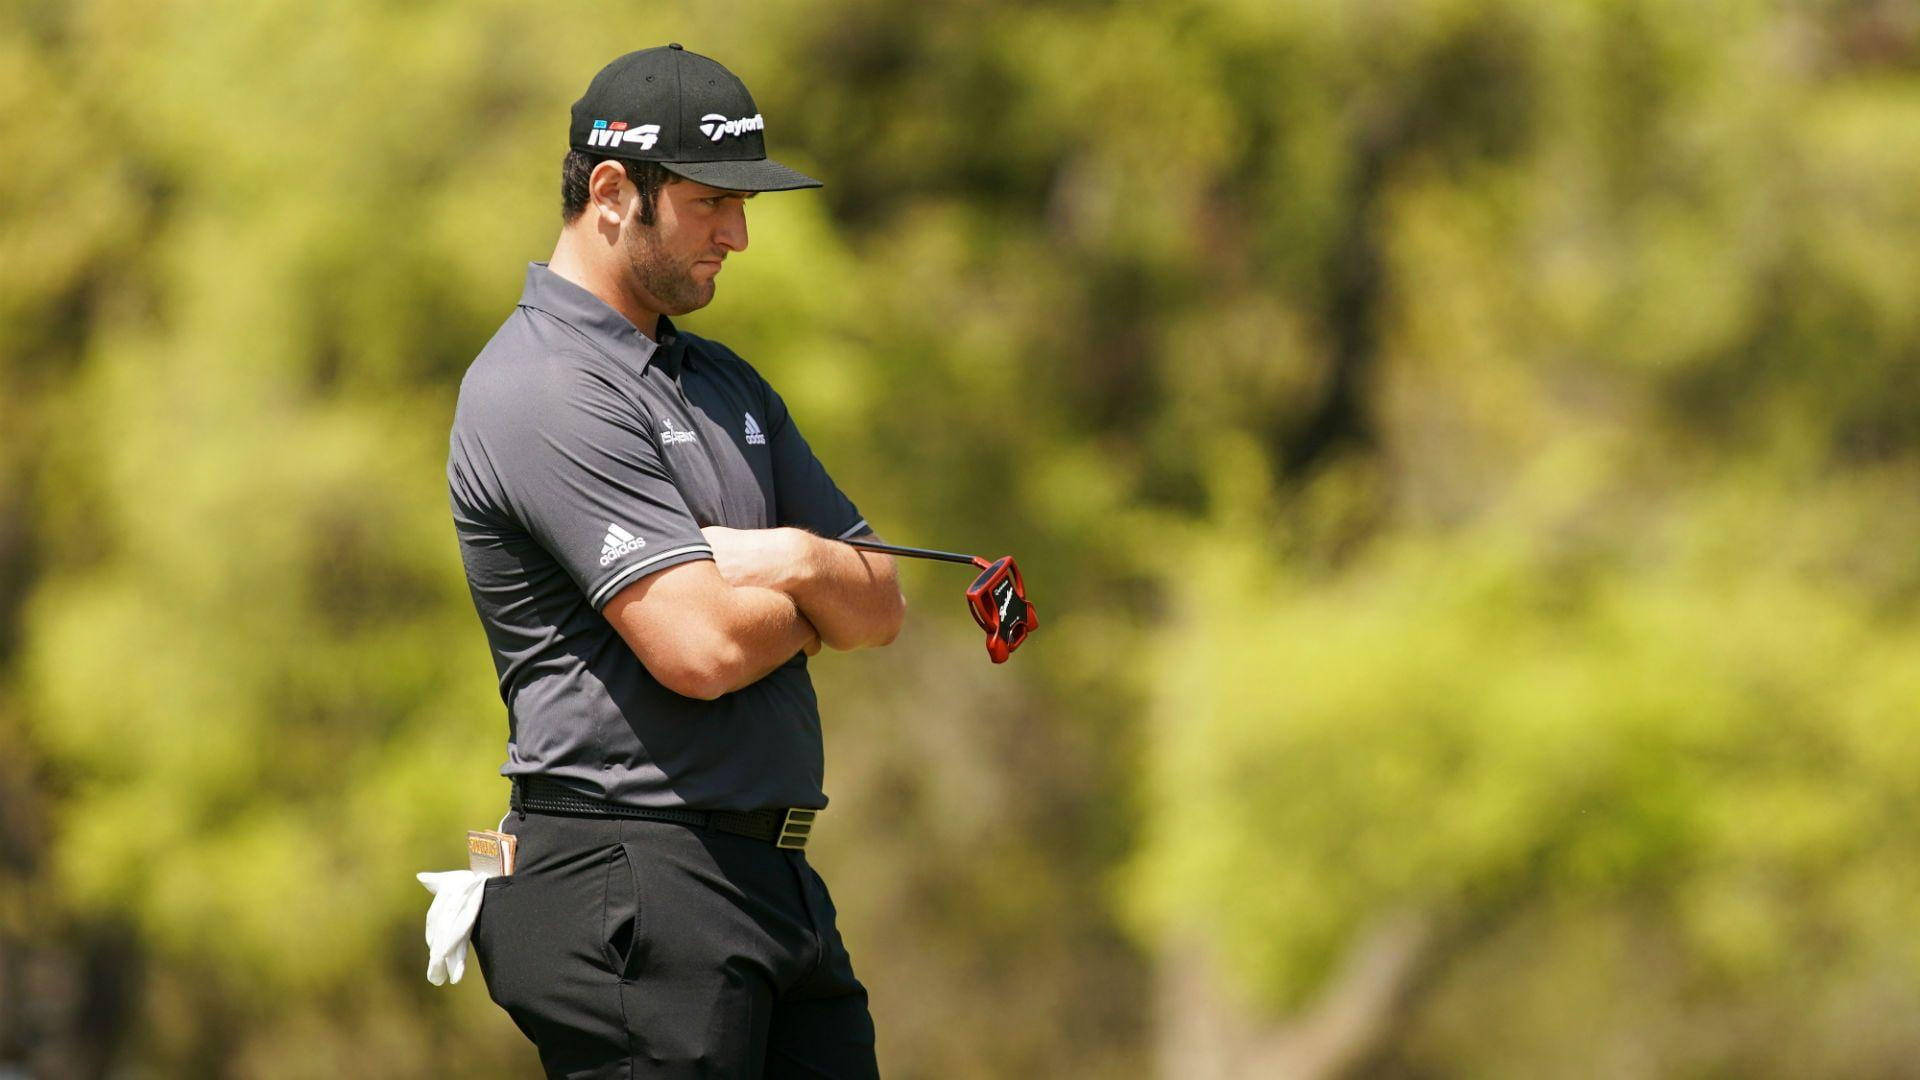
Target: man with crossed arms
651, 547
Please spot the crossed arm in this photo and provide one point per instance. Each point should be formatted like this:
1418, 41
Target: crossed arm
709, 628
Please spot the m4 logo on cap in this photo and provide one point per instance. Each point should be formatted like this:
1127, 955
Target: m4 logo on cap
617, 132
716, 127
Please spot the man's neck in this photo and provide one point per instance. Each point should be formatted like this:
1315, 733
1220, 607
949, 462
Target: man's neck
600, 279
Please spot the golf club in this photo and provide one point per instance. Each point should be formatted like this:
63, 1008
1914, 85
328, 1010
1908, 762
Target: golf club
997, 598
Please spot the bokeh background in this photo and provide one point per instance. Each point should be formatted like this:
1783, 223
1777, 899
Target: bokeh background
1466, 454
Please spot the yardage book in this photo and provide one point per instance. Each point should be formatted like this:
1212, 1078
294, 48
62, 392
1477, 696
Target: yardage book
490, 852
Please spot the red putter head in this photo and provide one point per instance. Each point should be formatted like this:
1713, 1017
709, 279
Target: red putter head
998, 600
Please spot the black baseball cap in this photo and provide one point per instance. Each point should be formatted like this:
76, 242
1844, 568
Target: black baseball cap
684, 111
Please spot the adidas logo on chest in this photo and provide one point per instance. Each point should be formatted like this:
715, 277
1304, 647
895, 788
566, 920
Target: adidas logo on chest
755, 437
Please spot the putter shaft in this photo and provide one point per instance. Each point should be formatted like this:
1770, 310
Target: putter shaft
914, 553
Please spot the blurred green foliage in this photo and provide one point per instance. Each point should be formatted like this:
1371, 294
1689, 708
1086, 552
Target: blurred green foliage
1464, 453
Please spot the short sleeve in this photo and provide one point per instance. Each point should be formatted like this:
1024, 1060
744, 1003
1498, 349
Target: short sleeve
804, 495
582, 474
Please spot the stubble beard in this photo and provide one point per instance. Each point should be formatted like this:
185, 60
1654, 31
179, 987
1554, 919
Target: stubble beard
668, 282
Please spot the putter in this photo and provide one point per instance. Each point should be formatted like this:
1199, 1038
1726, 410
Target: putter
997, 598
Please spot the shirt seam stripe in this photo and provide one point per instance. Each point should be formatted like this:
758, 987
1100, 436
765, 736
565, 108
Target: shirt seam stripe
852, 529
607, 590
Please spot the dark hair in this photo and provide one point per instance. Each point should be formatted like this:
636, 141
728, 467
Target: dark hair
648, 178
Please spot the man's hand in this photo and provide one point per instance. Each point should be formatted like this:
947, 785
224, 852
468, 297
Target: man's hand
768, 558
851, 596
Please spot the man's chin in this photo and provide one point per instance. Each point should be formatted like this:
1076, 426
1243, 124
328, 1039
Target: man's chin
700, 296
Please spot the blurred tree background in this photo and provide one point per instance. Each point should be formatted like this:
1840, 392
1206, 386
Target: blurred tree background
1466, 454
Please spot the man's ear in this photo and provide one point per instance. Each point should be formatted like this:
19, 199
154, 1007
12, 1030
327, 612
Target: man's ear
608, 191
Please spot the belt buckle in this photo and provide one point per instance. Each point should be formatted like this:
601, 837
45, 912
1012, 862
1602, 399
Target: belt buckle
795, 825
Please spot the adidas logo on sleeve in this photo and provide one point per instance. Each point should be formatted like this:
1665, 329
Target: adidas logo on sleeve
618, 542
755, 437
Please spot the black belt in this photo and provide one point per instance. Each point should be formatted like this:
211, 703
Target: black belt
786, 827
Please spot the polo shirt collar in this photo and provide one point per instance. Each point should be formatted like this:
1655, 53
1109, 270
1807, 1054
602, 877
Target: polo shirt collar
549, 292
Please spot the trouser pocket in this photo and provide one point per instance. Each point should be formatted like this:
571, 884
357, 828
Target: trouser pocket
544, 946
506, 960
625, 934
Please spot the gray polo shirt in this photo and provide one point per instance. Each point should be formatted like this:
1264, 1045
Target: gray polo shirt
584, 457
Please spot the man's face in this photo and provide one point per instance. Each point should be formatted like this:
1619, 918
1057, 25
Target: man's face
672, 263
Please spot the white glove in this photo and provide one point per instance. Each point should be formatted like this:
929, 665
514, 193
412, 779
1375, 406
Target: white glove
456, 904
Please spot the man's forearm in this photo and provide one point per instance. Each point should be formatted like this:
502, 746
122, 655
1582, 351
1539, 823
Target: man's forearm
702, 635
768, 628
852, 597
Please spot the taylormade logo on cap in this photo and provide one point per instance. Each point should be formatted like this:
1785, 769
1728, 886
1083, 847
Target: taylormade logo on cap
717, 127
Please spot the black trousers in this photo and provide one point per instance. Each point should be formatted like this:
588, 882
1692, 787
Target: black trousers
641, 949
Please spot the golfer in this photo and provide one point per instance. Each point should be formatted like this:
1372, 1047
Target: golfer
652, 549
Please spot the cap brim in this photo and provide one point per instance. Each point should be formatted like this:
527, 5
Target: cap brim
764, 174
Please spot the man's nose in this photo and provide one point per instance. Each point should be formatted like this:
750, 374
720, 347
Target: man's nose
732, 233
